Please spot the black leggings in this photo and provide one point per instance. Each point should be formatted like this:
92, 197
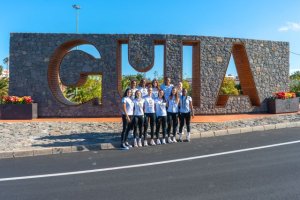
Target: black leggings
172, 117
152, 119
187, 118
138, 121
163, 121
126, 127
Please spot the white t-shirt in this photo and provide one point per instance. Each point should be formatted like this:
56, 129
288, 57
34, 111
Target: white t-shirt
144, 91
173, 105
160, 107
167, 90
138, 107
179, 91
185, 102
155, 93
149, 104
129, 105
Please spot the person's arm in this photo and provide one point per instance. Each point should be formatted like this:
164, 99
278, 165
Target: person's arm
125, 111
192, 109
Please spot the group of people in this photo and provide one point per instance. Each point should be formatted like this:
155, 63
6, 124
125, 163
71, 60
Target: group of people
160, 106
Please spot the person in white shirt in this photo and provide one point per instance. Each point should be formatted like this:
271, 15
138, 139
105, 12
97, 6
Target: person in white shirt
143, 88
149, 115
179, 91
185, 112
179, 88
138, 114
161, 116
172, 114
133, 88
127, 118
167, 87
155, 88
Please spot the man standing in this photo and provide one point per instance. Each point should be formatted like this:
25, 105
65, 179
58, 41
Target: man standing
167, 87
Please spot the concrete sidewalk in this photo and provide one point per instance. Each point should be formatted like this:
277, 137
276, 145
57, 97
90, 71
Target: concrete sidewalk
196, 119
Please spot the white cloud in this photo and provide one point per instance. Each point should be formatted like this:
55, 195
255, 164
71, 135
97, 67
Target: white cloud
290, 26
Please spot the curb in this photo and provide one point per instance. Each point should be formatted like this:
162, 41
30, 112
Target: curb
115, 145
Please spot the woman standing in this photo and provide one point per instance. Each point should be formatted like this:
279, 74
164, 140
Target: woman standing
127, 116
138, 117
149, 115
179, 88
143, 88
161, 116
172, 114
185, 111
155, 88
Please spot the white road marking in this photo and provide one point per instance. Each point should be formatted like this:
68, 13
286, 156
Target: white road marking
147, 164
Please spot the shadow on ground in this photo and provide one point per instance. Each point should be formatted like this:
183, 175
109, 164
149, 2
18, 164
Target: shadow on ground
78, 139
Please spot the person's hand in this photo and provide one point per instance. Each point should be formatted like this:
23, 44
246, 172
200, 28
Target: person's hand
193, 115
128, 119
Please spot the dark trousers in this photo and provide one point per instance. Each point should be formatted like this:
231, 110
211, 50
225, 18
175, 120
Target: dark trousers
172, 119
187, 118
138, 122
163, 121
126, 127
148, 116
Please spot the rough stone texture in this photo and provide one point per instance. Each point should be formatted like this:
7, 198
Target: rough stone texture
35, 65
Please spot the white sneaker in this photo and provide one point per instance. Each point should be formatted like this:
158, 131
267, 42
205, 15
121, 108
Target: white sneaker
174, 139
130, 134
188, 137
169, 140
163, 141
152, 142
128, 145
140, 142
158, 141
145, 143
135, 143
180, 137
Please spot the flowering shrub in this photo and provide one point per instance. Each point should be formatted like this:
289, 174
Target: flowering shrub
16, 100
284, 95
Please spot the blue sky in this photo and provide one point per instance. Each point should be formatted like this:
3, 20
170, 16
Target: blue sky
255, 19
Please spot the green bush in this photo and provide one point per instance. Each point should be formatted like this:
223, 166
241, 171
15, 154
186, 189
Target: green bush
90, 90
228, 87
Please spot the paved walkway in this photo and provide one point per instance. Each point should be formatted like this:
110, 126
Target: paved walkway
196, 119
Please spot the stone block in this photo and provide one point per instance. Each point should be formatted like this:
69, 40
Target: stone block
207, 134
40, 152
196, 135
220, 132
290, 125
258, 128
26, 153
60, 150
280, 126
6, 155
234, 131
269, 127
246, 129
79, 148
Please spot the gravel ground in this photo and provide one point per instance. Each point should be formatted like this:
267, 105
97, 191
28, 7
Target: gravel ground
23, 136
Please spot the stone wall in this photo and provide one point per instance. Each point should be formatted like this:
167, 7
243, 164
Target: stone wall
38, 62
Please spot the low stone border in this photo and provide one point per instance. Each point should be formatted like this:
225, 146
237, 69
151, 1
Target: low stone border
109, 146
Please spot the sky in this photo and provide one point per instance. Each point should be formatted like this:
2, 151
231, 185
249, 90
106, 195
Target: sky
277, 20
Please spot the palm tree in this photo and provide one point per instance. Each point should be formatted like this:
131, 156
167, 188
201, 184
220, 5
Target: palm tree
3, 84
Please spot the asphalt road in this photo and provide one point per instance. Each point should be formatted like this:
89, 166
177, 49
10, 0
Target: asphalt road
268, 173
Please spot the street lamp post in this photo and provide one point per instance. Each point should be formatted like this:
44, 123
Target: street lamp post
77, 8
